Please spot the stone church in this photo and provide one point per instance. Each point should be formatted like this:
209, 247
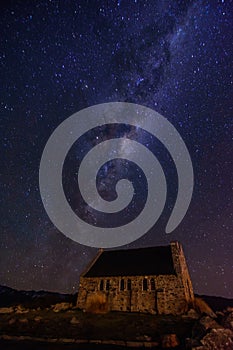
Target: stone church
151, 280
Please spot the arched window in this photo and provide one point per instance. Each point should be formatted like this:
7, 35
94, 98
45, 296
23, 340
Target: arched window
107, 284
152, 284
122, 285
144, 284
101, 284
129, 284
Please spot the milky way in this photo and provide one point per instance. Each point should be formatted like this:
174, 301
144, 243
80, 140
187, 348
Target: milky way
60, 57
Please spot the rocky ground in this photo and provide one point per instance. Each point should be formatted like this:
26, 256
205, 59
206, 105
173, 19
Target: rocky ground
63, 323
35, 320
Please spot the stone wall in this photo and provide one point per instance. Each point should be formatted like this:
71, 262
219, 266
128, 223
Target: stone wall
163, 294
166, 296
182, 271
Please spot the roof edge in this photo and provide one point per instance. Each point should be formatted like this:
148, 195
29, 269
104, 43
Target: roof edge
131, 276
89, 266
140, 248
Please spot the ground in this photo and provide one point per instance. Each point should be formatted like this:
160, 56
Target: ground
112, 325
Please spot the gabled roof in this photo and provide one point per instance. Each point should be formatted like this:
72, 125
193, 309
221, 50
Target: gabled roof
133, 262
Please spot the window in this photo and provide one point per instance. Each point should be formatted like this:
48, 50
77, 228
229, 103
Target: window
152, 284
129, 284
101, 285
122, 285
144, 284
107, 284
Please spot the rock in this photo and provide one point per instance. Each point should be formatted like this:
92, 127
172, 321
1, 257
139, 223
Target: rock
23, 320
6, 310
21, 310
144, 337
74, 320
227, 321
170, 341
219, 313
192, 314
217, 339
11, 321
61, 307
191, 343
203, 325
38, 318
66, 340
208, 323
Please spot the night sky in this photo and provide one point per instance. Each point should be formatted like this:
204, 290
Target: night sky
58, 57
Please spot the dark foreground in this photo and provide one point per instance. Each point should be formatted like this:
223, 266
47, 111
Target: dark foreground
11, 345
74, 324
49, 321
65, 327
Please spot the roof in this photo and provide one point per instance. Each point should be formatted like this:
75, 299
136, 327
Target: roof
133, 262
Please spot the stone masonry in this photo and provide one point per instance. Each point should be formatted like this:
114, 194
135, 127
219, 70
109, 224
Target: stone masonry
151, 280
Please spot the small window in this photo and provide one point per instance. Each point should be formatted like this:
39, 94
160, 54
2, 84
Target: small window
101, 285
152, 284
122, 285
129, 284
144, 284
107, 285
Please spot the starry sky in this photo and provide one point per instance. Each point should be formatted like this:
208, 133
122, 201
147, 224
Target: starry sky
58, 57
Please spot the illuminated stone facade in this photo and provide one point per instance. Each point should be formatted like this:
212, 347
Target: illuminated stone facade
152, 280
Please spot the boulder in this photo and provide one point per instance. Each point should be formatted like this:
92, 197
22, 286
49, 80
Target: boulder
203, 325
170, 341
227, 321
208, 323
6, 310
74, 320
192, 314
21, 310
217, 339
61, 307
